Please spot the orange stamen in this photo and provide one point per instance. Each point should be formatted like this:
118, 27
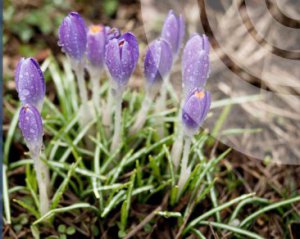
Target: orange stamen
95, 28
199, 94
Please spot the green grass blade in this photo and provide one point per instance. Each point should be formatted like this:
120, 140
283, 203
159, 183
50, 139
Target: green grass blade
62, 188
52, 212
232, 229
269, 208
197, 220
10, 135
6, 195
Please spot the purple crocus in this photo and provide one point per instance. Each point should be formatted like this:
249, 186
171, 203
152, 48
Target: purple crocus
195, 110
96, 41
158, 61
173, 31
121, 58
30, 123
195, 63
73, 36
30, 83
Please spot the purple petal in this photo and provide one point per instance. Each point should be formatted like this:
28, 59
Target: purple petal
173, 31
112, 59
195, 63
30, 83
133, 44
195, 110
158, 61
121, 58
96, 42
72, 35
30, 123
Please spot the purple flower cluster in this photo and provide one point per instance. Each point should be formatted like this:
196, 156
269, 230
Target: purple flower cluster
101, 45
195, 70
98, 46
30, 85
162, 52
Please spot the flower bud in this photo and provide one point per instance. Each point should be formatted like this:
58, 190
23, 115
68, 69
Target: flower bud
96, 42
30, 83
72, 36
158, 61
195, 63
30, 123
121, 58
173, 31
195, 110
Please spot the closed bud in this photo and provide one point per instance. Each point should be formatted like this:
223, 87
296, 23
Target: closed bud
173, 31
195, 63
30, 123
121, 58
195, 110
73, 36
158, 61
30, 83
96, 41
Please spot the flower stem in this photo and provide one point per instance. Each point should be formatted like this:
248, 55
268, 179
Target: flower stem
118, 121
161, 107
177, 148
106, 117
184, 162
95, 79
42, 174
178, 144
79, 71
142, 115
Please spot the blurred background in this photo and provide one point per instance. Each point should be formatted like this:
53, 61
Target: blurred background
255, 60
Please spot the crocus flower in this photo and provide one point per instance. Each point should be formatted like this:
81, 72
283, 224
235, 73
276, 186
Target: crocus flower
195, 110
121, 58
30, 123
173, 31
30, 83
96, 41
195, 63
158, 61
73, 36
157, 66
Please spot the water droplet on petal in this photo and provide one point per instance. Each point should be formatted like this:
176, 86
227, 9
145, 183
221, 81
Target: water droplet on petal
25, 92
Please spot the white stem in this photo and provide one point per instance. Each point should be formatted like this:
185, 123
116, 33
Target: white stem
178, 144
79, 71
184, 162
118, 121
177, 149
95, 79
161, 107
106, 117
142, 115
42, 174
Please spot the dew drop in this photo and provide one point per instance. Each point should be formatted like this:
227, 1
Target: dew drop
25, 92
